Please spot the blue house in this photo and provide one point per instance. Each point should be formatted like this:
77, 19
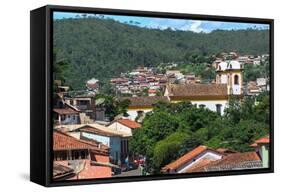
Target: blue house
116, 141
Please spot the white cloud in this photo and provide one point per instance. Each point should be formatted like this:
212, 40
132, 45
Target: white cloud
195, 26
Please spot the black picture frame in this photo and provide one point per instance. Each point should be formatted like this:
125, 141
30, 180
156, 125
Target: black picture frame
41, 89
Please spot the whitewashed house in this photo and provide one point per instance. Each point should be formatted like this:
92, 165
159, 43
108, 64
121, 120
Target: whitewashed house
124, 125
197, 157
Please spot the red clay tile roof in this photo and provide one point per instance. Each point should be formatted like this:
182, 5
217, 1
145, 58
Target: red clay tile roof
224, 150
63, 141
65, 111
193, 90
264, 139
152, 91
145, 101
60, 171
233, 161
185, 158
129, 123
95, 143
254, 145
200, 163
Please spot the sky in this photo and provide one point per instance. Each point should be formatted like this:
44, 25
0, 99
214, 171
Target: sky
175, 24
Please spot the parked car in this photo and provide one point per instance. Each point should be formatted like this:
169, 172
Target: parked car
124, 168
133, 166
129, 166
116, 170
139, 161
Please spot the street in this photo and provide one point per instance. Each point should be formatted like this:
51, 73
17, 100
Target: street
135, 172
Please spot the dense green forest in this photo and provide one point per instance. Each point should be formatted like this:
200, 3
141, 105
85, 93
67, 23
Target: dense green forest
103, 48
173, 129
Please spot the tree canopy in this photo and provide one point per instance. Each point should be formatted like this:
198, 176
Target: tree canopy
103, 48
172, 129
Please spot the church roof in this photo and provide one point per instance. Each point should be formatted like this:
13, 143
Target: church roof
145, 101
197, 90
227, 65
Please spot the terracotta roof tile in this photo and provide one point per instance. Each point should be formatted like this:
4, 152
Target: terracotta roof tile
152, 91
245, 160
186, 90
63, 141
65, 111
185, 158
90, 129
264, 139
145, 101
60, 171
225, 151
129, 123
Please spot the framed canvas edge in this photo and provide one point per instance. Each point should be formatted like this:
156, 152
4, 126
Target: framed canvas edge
48, 65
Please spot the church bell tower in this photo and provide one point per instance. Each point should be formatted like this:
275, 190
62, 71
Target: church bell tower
230, 73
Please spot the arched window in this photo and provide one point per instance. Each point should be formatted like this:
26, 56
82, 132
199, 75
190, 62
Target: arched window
236, 80
228, 79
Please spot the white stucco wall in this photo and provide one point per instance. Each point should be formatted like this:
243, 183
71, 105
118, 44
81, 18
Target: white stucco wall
100, 138
133, 113
236, 89
119, 127
69, 119
223, 79
211, 104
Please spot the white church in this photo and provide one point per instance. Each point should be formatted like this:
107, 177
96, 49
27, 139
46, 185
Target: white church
215, 96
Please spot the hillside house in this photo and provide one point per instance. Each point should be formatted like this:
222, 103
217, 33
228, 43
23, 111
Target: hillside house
78, 159
117, 141
201, 155
86, 106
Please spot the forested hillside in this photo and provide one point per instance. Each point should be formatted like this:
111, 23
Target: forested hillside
102, 48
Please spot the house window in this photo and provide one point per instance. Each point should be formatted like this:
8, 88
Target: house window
140, 114
83, 102
202, 106
236, 80
228, 79
218, 107
62, 117
60, 104
60, 155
